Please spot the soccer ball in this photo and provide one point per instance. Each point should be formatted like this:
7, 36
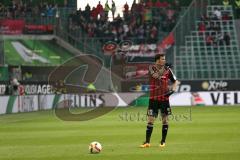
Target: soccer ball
95, 147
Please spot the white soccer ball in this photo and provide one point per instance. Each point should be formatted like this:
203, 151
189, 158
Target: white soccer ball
95, 147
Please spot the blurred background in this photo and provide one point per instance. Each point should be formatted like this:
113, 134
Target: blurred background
200, 39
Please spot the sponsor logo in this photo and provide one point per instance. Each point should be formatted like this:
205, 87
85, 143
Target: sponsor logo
215, 85
197, 100
225, 98
83, 100
184, 88
110, 48
91, 100
38, 89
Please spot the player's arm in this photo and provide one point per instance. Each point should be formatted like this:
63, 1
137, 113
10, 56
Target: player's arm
175, 83
174, 80
153, 71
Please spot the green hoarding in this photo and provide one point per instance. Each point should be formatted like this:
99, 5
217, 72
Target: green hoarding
4, 76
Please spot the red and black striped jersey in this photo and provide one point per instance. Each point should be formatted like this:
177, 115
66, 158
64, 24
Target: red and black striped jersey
159, 78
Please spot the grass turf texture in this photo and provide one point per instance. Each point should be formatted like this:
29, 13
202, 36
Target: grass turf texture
11, 55
209, 133
47, 49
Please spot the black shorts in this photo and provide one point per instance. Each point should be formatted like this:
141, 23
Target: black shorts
155, 106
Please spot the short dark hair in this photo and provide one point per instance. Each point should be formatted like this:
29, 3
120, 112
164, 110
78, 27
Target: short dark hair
158, 56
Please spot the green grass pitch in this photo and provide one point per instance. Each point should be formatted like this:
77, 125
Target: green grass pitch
202, 133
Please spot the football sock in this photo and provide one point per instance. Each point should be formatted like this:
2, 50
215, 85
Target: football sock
164, 132
149, 132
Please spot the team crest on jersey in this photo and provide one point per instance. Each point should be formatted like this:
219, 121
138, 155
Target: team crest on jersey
163, 77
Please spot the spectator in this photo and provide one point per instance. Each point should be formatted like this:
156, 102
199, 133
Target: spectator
204, 17
153, 34
147, 14
170, 14
214, 2
18, 9
1, 7
125, 30
2, 10
176, 5
113, 9
226, 3
217, 27
134, 7
220, 39
50, 10
140, 33
165, 4
225, 16
94, 13
217, 15
149, 4
209, 40
14, 86
126, 8
215, 39
237, 8
211, 27
201, 27
140, 13
106, 9
226, 39
158, 4
100, 10
126, 11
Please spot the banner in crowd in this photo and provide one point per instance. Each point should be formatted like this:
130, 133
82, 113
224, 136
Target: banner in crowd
167, 41
38, 29
15, 27
9, 26
29, 103
132, 53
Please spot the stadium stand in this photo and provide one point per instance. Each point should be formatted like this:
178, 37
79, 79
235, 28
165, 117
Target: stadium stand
141, 22
141, 25
210, 50
204, 36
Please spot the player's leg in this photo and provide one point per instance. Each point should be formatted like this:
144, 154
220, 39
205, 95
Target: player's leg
149, 129
164, 129
165, 111
152, 113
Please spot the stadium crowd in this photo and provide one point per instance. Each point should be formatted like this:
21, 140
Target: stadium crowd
140, 22
210, 27
235, 4
22, 9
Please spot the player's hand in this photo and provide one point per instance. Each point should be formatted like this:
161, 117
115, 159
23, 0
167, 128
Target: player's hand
155, 75
169, 93
175, 85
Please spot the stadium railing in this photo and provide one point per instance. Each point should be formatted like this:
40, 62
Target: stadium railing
1, 51
195, 60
